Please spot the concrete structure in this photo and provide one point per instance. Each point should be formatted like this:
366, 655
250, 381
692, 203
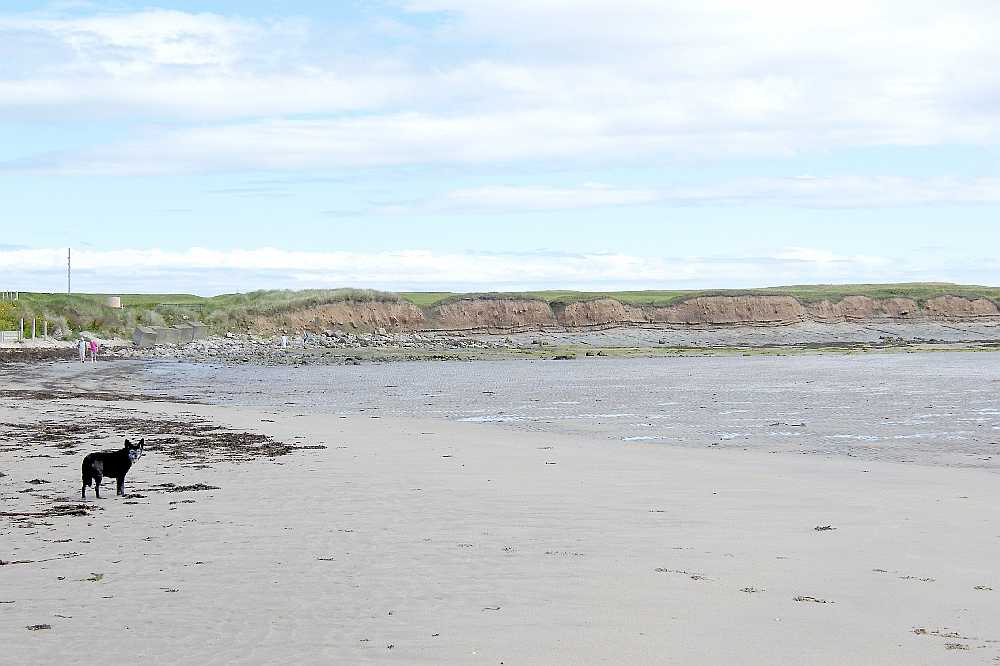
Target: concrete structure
145, 336
200, 329
178, 334
184, 333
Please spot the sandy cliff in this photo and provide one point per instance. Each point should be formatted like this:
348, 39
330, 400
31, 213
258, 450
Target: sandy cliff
500, 314
349, 315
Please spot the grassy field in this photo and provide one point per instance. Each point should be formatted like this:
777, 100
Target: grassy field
918, 291
76, 312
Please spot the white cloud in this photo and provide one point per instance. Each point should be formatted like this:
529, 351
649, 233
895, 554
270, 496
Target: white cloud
801, 191
524, 80
505, 198
213, 271
170, 64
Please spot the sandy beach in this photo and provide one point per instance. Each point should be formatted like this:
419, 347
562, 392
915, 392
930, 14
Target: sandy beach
427, 541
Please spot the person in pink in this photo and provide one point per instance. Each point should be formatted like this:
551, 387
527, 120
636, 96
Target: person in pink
93, 350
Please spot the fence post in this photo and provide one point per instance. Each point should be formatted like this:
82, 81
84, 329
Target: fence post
32, 328
20, 335
45, 328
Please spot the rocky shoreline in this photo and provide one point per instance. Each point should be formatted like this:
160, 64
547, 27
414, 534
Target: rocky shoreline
335, 346
328, 347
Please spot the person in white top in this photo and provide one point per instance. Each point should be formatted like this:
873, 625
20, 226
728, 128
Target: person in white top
81, 346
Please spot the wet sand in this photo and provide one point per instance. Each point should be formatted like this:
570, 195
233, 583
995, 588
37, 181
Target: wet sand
427, 541
925, 408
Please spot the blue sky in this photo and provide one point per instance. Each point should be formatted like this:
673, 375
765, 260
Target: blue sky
479, 144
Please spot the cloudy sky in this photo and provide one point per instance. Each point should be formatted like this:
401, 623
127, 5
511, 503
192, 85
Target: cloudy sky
226, 145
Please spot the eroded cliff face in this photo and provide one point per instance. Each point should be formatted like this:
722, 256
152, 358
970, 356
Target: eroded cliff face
953, 307
348, 316
482, 314
731, 310
859, 308
750, 310
499, 315
598, 313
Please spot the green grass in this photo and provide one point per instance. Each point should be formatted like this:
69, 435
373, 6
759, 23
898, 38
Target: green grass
71, 313
76, 312
918, 291
426, 298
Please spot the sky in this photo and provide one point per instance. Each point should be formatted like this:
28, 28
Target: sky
470, 145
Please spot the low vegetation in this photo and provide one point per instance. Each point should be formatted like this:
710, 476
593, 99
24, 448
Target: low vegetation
918, 291
68, 314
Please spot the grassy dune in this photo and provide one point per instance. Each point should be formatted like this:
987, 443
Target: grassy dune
71, 313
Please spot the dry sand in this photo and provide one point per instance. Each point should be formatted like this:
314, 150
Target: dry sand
426, 541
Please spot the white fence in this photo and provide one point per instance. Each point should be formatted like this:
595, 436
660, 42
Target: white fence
9, 336
29, 330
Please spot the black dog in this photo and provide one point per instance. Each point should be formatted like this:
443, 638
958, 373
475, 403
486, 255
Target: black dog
114, 464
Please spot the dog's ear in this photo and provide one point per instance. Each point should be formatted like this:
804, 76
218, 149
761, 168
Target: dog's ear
142, 442
127, 443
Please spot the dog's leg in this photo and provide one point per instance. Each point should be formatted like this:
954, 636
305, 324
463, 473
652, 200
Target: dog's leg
97, 486
83, 492
121, 486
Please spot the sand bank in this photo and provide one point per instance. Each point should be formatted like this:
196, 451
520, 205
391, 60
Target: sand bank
414, 541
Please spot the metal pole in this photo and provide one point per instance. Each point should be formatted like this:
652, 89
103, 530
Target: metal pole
21, 334
45, 328
32, 328
69, 270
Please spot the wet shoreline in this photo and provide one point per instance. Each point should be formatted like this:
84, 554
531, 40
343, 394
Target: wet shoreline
918, 407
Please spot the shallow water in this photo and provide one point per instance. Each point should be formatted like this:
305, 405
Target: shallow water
932, 408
